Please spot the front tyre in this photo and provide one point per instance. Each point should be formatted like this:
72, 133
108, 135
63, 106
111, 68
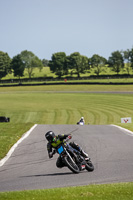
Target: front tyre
89, 166
71, 164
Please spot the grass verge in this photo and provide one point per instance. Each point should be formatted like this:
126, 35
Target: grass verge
122, 191
10, 133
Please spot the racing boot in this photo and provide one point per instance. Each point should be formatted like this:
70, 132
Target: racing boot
84, 154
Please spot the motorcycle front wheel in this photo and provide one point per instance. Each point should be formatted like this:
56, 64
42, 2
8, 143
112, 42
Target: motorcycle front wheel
71, 164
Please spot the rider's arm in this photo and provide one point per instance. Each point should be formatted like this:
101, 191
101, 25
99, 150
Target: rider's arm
49, 148
62, 137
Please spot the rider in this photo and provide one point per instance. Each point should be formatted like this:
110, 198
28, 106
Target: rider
81, 121
55, 140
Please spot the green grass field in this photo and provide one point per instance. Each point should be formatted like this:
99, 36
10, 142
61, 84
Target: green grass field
64, 105
69, 88
122, 191
36, 73
65, 108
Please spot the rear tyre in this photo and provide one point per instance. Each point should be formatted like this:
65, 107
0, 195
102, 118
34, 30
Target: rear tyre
71, 165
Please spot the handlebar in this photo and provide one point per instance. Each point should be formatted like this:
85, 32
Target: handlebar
66, 140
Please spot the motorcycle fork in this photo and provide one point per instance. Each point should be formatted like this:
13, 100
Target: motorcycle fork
70, 157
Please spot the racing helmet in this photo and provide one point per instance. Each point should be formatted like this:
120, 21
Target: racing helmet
50, 136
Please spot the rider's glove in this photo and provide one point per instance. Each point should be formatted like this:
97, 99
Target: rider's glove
69, 136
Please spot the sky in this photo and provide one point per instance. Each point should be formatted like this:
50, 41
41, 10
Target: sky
46, 27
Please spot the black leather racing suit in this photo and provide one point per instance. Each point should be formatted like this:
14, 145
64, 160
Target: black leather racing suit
54, 144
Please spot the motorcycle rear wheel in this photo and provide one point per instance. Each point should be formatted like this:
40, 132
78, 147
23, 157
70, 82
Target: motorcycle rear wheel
72, 166
89, 166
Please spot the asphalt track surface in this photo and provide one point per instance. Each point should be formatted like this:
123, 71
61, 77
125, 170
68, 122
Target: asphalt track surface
110, 149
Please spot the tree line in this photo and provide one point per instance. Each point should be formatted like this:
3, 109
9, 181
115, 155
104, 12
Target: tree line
61, 64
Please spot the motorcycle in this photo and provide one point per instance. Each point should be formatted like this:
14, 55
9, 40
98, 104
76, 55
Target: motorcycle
73, 159
80, 123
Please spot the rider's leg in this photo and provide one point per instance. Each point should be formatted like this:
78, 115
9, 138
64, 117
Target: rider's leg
59, 162
77, 147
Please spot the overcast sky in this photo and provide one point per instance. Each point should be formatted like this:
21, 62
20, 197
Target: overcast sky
46, 27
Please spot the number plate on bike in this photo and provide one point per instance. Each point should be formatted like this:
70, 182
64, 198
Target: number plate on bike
60, 150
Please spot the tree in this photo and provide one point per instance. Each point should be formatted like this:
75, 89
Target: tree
78, 62
85, 64
18, 66
116, 61
131, 58
58, 64
5, 61
45, 62
97, 62
127, 57
31, 61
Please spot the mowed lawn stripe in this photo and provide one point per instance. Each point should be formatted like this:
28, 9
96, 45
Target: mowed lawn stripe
65, 108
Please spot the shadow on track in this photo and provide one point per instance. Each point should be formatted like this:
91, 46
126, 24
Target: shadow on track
54, 174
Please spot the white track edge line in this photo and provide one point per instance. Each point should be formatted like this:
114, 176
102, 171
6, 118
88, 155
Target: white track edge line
124, 129
2, 161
